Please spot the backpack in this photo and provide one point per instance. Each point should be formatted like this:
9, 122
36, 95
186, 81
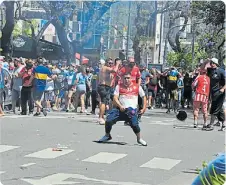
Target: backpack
154, 80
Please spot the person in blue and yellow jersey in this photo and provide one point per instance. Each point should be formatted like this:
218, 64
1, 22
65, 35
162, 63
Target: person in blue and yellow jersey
38, 78
173, 75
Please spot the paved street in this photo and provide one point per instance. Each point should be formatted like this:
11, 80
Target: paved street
174, 151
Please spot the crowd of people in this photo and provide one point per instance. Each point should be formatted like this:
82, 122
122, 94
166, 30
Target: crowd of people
121, 89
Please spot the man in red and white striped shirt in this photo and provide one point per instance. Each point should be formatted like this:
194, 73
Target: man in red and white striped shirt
202, 90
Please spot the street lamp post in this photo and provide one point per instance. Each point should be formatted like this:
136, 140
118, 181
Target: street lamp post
165, 49
81, 34
128, 33
1, 22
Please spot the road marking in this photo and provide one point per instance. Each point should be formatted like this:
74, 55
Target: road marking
16, 116
4, 148
49, 154
161, 163
28, 164
1, 172
59, 178
186, 178
105, 157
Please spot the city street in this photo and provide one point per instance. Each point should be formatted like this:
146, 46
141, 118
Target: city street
175, 149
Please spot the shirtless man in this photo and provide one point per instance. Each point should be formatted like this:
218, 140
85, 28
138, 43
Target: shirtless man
105, 81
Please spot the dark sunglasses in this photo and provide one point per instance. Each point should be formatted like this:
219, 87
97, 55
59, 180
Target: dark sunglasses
110, 63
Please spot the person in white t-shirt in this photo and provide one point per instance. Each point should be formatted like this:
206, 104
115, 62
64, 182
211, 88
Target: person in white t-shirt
49, 92
126, 99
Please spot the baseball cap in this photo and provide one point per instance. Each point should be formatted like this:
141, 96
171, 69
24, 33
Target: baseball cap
102, 62
215, 61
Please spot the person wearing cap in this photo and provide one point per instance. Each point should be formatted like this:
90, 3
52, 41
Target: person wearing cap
217, 83
16, 83
201, 86
105, 82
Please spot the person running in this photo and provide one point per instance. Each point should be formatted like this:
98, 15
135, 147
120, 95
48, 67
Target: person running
39, 75
201, 86
126, 98
71, 77
105, 82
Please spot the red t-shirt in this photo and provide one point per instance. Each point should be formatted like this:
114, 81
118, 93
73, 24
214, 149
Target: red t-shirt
26, 76
135, 74
202, 88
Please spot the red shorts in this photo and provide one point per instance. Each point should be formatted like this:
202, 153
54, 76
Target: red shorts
197, 104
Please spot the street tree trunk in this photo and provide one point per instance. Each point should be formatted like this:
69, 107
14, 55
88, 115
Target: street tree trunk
8, 28
62, 35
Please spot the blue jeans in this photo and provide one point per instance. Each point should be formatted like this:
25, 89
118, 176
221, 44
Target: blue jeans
129, 115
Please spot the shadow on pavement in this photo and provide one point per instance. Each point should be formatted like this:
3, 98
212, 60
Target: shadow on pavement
111, 142
185, 127
191, 171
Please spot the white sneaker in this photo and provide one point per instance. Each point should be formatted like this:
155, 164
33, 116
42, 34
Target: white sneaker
105, 138
142, 142
87, 113
101, 121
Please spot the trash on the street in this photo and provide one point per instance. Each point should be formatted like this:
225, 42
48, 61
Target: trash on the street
59, 146
56, 149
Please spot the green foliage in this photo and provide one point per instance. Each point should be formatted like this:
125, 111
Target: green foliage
17, 30
25, 28
175, 58
212, 12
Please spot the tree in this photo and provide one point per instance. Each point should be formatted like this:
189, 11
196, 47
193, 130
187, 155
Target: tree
175, 58
8, 28
145, 20
212, 37
25, 28
181, 10
54, 10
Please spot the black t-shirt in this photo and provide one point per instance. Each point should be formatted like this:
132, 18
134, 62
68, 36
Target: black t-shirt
217, 79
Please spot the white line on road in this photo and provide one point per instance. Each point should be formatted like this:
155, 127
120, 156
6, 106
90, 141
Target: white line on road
4, 148
161, 163
105, 157
49, 153
59, 178
1, 172
28, 164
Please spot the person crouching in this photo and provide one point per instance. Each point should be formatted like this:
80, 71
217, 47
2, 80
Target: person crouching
126, 99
